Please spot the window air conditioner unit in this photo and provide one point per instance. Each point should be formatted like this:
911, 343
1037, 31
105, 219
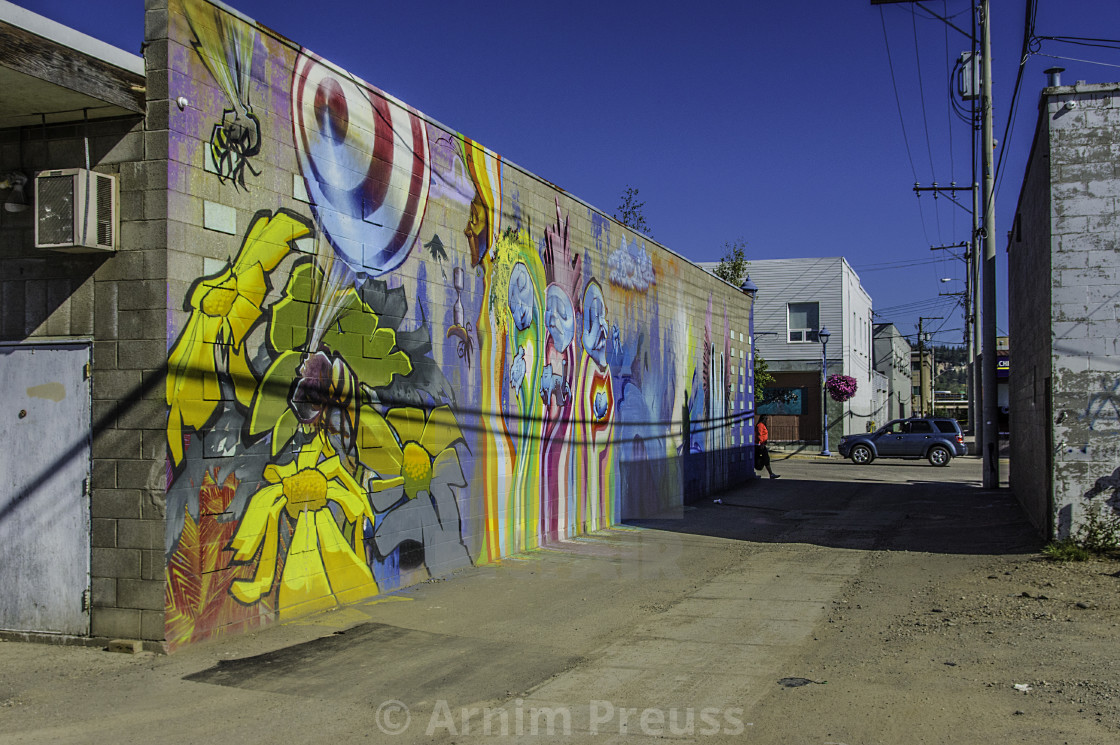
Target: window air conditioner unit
76, 210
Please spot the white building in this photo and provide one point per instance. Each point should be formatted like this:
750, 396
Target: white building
796, 298
892, 358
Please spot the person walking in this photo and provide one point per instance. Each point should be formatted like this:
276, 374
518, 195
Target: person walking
761, 451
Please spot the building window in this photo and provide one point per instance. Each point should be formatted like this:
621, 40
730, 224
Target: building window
803, 320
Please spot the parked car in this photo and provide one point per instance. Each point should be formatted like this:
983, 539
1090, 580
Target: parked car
938, 439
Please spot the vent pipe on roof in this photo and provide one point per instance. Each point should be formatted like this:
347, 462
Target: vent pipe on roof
1054, 76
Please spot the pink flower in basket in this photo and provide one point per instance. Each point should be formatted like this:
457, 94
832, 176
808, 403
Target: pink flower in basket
840, 387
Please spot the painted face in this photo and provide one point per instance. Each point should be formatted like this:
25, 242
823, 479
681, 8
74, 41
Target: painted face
602, 404
521, 297
477, 230
560, 318
595, 326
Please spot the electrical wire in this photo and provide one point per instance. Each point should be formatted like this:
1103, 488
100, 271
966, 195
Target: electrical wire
901, 119
1083, 41
945, 14
1009, 128
897, 265
925, 115
948, 317
1075, 59
949, 115
934, 303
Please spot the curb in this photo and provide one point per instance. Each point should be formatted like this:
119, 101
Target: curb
805, 454
71, 640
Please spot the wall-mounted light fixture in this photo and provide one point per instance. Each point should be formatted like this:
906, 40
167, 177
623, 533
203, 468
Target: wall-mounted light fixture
17, 199
749, 287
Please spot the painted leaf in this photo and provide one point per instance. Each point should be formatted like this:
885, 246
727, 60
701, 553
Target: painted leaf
365, 347
436, 249
271, 400
291, 314
285, 428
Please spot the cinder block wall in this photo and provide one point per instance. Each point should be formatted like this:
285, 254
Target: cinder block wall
392, 353
116, 302
1084, 134
1029, 286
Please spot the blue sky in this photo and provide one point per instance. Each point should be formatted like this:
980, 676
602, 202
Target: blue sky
774, 122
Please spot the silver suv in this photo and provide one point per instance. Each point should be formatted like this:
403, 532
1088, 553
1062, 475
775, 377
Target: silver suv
938, 439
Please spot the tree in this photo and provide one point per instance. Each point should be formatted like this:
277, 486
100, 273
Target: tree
733, 266
630, 213
762, 377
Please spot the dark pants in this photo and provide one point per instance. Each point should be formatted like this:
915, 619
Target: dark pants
761, 457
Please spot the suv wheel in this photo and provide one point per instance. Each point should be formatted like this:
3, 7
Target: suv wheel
939, 456
861, 455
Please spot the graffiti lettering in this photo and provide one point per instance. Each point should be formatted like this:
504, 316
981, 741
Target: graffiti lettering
1103, 410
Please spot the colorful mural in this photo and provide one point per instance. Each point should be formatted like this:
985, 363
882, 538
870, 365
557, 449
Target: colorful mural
405, 366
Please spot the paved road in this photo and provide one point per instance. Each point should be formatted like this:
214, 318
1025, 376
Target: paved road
674, 628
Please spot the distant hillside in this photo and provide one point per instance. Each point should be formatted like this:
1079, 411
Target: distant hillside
952, 369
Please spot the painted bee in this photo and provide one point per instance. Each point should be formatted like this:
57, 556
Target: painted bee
233, 143
325, 396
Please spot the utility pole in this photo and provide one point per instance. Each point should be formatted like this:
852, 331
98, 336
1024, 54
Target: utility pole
986, 430
970, 253
974, 384
988, 372
922, 362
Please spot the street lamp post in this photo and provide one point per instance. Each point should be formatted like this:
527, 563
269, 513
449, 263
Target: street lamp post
823, 335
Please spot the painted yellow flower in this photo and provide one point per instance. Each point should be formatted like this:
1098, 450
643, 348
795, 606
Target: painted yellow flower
420, 505
322, 568
421, 445
224, 307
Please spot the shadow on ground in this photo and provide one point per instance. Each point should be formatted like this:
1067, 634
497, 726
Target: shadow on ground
895, 507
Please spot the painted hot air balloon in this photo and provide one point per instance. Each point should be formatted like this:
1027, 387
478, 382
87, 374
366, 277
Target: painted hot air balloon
365, 162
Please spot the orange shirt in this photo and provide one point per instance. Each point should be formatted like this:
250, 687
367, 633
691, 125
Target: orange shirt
761, 435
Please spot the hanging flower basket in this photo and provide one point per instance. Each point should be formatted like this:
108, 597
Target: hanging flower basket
840, 387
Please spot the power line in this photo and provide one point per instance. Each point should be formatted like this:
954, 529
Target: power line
920, 305
945, 18
901, 119
1083, 41
898, 265
1028, 34
925, 116
1075, 59
949, 113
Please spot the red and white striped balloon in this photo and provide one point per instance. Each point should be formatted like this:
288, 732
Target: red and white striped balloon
365, 161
